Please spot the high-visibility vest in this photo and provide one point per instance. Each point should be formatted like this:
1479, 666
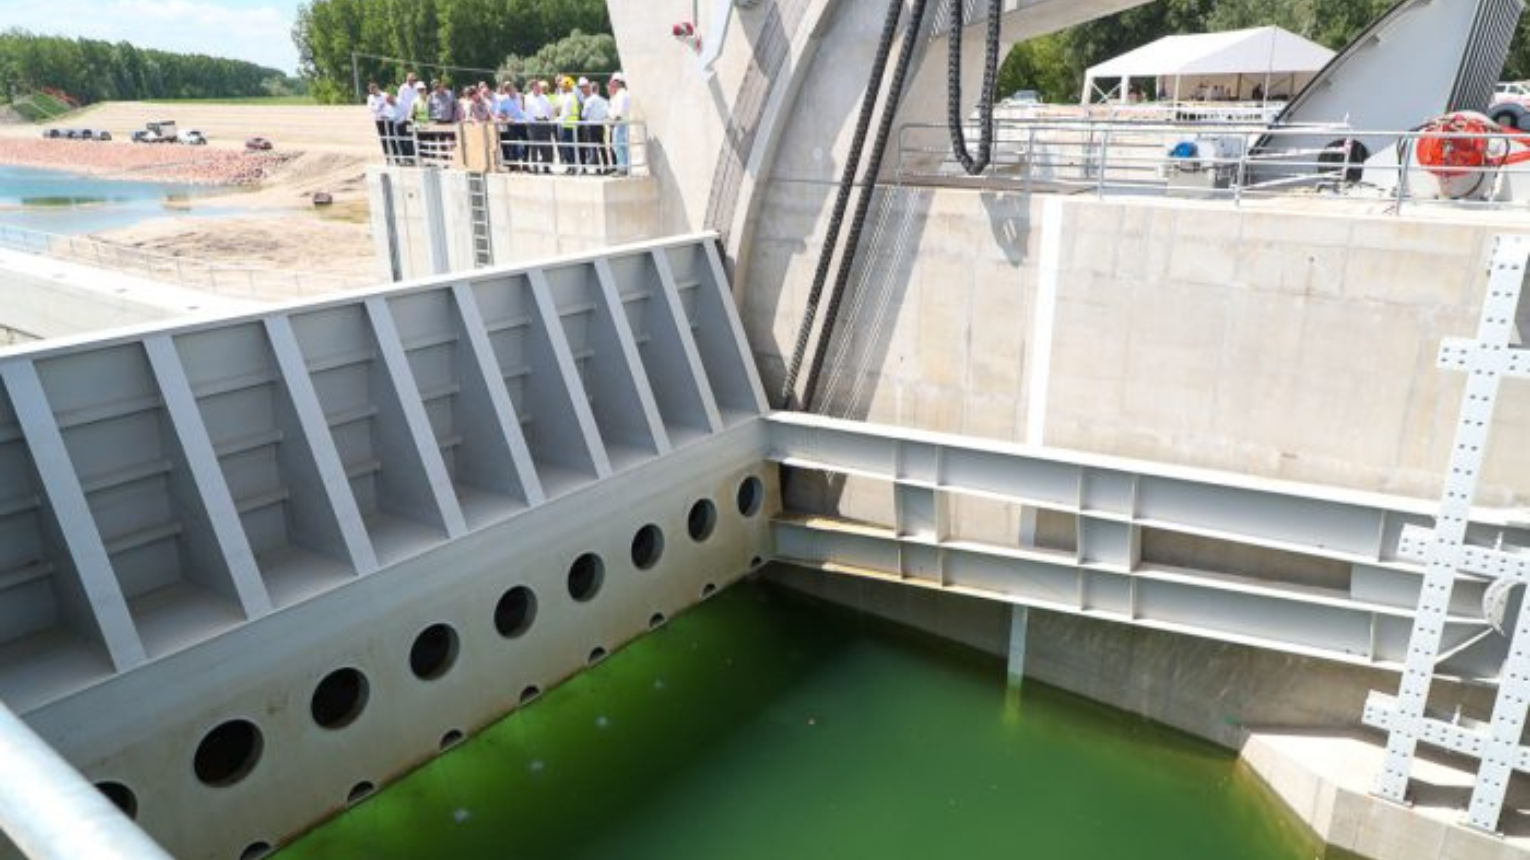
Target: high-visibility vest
569, 103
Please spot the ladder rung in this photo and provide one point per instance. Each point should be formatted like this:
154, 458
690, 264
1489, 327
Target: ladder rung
362, 468
351, 416
340, 359
19, 504
214, 387
439, 391
575, 310
248, 442
126, 475
23, 574
511, 322
425, 341
107, 411
142, 537
261, 500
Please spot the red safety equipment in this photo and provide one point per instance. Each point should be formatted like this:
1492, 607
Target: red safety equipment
1461, 143
685, 32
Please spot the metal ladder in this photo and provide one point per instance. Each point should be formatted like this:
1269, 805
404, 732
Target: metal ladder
478, 201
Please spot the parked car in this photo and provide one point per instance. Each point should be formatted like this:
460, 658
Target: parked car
76, 134
191, 137
257, 143
1024, 97
1511, 105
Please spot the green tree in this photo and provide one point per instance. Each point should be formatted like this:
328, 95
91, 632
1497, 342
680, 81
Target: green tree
578, 53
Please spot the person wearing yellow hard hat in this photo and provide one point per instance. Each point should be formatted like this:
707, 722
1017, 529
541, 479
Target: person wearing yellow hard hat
568, 128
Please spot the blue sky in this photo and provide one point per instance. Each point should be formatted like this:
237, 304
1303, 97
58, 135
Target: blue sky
255, 30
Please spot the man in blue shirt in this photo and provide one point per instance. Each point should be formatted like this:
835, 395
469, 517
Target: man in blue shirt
510, 118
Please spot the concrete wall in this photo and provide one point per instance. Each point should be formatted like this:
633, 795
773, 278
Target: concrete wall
530, 217
1289, 343
786, 88
47, 298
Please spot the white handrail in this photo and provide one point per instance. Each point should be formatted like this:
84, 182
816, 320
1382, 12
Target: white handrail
51, 812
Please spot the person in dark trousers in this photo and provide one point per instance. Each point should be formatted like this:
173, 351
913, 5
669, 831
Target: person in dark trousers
539, 128
594, 117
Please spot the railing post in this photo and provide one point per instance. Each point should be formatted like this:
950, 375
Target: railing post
1402, 173
1027, 169
1099, 188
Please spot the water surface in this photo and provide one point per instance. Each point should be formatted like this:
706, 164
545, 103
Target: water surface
56, 201
758, 727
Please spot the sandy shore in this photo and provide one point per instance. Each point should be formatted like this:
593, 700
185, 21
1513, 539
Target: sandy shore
194, 165
276, 225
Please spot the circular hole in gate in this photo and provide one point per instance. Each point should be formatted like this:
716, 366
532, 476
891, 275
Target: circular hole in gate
656, 620
530, 693
359, 792
450, 739
433, 653
701, 520
255, 851
647, 546
339, 699
585, 576
120, 795
596, 655
751, 495
516, 609
708, 590
228, 753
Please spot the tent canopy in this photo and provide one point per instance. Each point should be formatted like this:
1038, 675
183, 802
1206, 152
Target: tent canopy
1261, 51
1247, 52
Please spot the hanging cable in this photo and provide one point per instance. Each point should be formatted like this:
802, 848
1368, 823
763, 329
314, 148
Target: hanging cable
973, 166
842, 201
863, 204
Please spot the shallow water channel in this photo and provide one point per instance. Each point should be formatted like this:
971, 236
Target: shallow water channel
761, 726
56, 201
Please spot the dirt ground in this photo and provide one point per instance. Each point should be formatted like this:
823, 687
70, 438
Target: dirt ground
277, 225
343, 129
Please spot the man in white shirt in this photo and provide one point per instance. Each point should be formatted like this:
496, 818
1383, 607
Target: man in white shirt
376, 101
539, 114
592, 130
406, 96
621, 114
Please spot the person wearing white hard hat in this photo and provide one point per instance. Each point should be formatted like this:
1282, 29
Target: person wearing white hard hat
620, 113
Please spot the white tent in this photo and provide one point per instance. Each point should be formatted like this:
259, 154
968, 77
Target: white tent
1257, 64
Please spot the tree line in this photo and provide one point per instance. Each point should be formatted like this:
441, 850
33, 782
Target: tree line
1054, 64
431, 34
90, 70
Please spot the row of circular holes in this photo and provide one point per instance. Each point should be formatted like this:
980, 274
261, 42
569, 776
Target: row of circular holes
230, 752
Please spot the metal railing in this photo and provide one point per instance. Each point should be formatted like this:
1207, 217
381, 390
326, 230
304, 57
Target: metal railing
586, 148
50, 812
188, 272
1235, 161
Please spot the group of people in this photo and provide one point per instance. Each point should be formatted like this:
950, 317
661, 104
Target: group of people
573, 127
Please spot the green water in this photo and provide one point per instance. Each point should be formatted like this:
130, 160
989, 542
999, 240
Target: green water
756, 726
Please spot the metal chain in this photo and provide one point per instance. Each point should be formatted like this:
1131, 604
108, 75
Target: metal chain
842, 201
863, 204
973, 166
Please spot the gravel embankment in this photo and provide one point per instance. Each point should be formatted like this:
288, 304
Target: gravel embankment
165, 162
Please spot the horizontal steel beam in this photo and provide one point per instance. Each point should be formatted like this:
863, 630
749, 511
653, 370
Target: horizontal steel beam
1364, 618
